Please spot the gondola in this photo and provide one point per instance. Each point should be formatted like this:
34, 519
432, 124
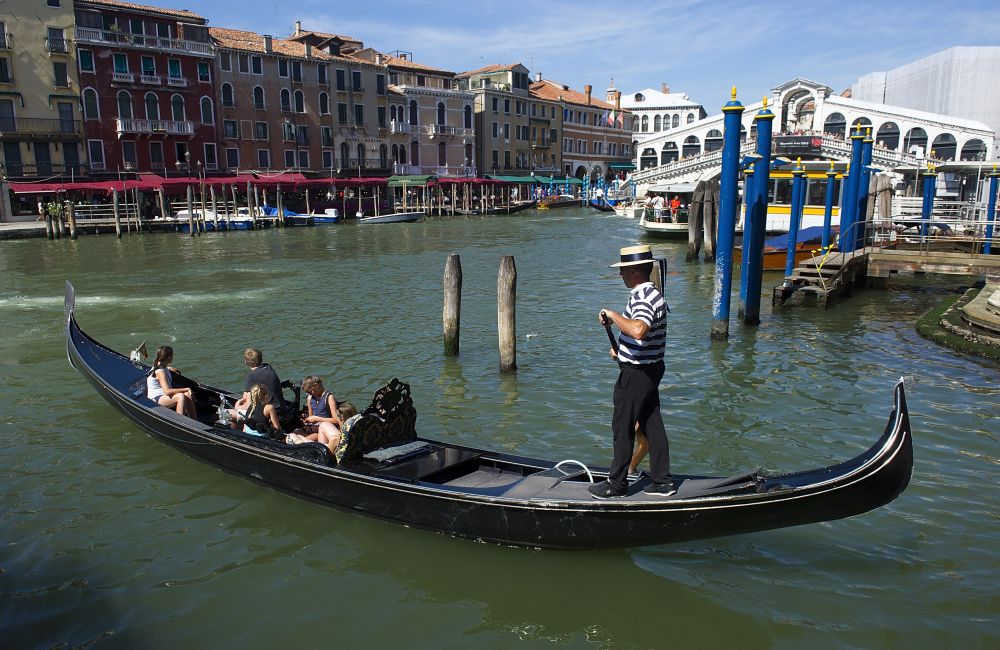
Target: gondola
600, 205
490, 496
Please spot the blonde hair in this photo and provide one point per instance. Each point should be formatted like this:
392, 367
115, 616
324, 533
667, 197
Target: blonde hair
259, 394
253, 356
310, 382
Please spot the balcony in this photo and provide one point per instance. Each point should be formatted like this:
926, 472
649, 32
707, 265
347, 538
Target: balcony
141, 41
153, 127
122, 78
398, 127
177, 82
150, 79
55, 45
36, 126
6, 41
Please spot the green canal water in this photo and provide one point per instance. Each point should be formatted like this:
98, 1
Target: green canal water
112, 539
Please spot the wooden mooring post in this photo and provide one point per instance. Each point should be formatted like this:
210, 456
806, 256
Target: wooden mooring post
190, 207
506, 303
71, 217
118, 216
452, 312
49, 232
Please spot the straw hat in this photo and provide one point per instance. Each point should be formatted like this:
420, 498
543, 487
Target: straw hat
632, 255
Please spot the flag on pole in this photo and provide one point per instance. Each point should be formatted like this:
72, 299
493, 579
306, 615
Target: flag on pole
604, 118
611, 118
621, 120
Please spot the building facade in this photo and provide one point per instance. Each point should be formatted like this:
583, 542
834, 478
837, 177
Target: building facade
961, 82
430, 121
656, 111
40, 129
596, 135
147, 88
502, 118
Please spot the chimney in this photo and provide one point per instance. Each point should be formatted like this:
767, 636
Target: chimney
618, 100
268, 44
587, 90
378, 59
298, 27
664, 88
309, 50
538, 76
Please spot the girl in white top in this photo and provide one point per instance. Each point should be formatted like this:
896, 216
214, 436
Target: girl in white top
159, 388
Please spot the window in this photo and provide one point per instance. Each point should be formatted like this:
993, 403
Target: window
321, 73
174, 68
163, 30
286, 101
289, 158
297, 71
211, 161
303, 159
256, 65
381, 116
506, 106
228, 99
324, 104
148, 66
232, 158
468, 117
342, 113
495, 159
506, 160
90, 109
230, 129
177, 110
302, 135
442, 154
341, 80
282, 67
124, 105
440, 113
152, 103
53, 3
356, 80
95, 151
496, 104
244, 62
258, 98
86, 59
506, 131
326, 136
496, 130
327, 159
359, 114
121, 63
413, 113
156, 155
300, 102
264, 158
260, 131
225, 61
5, 76
129, 156
204, 73
380, 84
421, 81
415, 153
345, 154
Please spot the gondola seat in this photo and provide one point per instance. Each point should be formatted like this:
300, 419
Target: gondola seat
389, 420
312, 452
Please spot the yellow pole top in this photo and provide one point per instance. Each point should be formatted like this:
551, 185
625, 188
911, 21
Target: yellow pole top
868, 132
831, 165
765, 101
733, 93
798, 161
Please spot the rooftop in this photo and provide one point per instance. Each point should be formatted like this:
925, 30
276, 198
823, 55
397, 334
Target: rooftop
496, 67
546, 89
116, 4
237, 39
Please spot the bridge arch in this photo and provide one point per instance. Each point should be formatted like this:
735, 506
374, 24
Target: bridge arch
888, 135
915, 138
944, 146
835, 124
973, 149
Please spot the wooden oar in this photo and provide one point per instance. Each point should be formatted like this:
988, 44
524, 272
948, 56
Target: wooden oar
607, 328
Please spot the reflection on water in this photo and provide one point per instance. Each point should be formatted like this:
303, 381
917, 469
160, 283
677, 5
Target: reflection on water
115, 538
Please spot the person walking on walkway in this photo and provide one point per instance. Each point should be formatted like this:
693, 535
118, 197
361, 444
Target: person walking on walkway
641, 344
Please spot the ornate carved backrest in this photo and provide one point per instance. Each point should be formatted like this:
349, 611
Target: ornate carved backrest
389, 420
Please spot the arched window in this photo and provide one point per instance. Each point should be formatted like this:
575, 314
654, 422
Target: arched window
690, 118
888, 136
361, 155
392, 117
286, 101
152, 106
648, 158
324, 104
124, 105
383, 156
645, 123
440, 113
300, 102
657, 123
345, 154
974, 149
676, 120
258, 98
713, 140
395, 153
468, 117
91, 110
228, 99
835, 124
402, 154
413, 114
177, 112
666, 122
669, 153
692, 146
944, 147
916, 138
207, 116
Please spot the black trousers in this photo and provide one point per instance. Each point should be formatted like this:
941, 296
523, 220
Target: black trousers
637, 399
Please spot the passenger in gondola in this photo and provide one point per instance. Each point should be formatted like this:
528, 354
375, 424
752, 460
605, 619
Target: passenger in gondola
261, 418
321, 405
260, 373
329, 432
159, 387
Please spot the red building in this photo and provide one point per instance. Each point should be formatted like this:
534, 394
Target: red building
147, 88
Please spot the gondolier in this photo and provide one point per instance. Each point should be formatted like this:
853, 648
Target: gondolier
639, 353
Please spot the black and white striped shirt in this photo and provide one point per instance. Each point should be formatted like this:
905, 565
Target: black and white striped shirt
646, 304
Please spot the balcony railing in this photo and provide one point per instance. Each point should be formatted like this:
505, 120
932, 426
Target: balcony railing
104, 36
38, 126
122, 77
396, 126
177, 82
151, 79
6, 41
43, 169
56, 45
354, 163
150, 127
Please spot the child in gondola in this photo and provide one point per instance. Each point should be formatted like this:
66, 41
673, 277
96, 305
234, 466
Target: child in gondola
321, 405
261, 417
159, 387
329, 431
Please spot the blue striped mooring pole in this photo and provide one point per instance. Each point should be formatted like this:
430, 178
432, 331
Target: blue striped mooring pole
991, 210
795, 218
831, 183
848, 221
755, 226
864, 185
728, 207
927, 209
747, 199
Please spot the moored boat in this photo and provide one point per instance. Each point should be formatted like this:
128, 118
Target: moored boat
393, 217
665, 228
559, 201
384, 469
776, 249
328, 216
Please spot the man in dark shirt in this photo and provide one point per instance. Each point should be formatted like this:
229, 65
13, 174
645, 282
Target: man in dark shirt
260, 373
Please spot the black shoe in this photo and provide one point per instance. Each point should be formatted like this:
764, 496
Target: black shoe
604, 490
661, 489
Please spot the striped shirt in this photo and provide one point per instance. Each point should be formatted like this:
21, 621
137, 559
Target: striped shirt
646, 304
